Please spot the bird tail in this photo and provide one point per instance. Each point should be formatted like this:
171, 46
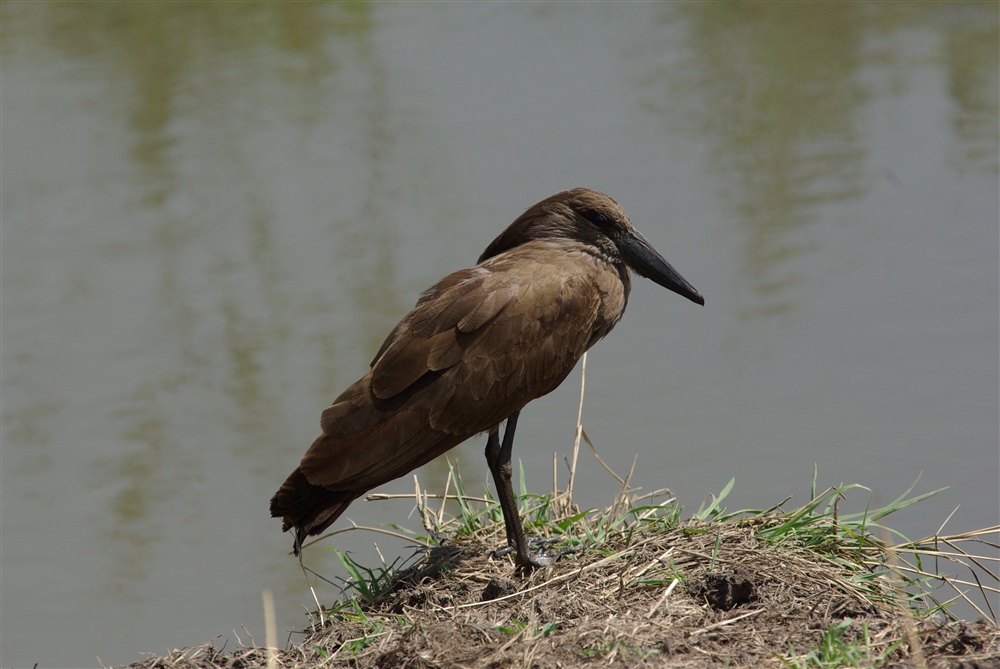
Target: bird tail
308, 508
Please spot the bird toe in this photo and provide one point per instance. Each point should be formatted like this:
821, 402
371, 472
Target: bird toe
536, 556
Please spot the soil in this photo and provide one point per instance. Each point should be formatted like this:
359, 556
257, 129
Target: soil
696, 596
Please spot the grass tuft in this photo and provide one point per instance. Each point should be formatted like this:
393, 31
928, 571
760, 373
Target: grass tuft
803, 588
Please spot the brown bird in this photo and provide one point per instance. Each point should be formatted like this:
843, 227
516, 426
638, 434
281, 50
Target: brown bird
477, 347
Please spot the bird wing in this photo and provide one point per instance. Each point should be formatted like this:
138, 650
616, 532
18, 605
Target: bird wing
476, 348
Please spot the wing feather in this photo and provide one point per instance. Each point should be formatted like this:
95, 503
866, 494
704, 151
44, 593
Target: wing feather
475, 349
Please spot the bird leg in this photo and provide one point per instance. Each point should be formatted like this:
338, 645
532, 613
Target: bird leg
498, 459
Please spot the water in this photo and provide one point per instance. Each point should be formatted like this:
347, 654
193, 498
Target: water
213, 213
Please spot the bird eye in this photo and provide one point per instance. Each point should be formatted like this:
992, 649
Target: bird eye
596, 218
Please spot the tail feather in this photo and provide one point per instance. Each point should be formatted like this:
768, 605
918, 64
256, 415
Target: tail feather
308, 508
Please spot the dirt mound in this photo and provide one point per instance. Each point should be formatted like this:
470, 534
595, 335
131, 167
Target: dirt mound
697, 594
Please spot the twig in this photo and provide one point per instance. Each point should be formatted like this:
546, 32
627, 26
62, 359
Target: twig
663, 597
579, 423
270, 629
593, 450
703, 630
355, 526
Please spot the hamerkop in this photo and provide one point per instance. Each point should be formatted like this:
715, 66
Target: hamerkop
477, 347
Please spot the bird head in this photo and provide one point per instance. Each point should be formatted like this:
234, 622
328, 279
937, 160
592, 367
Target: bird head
597, 220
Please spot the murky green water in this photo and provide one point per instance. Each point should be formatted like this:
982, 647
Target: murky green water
214, 212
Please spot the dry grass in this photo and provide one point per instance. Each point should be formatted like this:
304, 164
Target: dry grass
760, 590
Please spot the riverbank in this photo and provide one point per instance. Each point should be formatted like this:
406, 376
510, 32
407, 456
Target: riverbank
775, 588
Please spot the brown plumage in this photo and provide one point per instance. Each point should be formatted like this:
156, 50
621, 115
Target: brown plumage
477, 347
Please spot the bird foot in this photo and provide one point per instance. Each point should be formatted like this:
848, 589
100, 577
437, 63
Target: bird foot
536, 556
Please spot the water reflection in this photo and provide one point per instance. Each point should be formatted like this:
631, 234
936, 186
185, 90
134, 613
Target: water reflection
970, 59
362, 238
781, 93
780, 102
179, 69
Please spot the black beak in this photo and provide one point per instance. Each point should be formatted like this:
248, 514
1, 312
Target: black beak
647, 261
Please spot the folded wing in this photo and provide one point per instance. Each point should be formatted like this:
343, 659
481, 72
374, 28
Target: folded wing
476, 348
